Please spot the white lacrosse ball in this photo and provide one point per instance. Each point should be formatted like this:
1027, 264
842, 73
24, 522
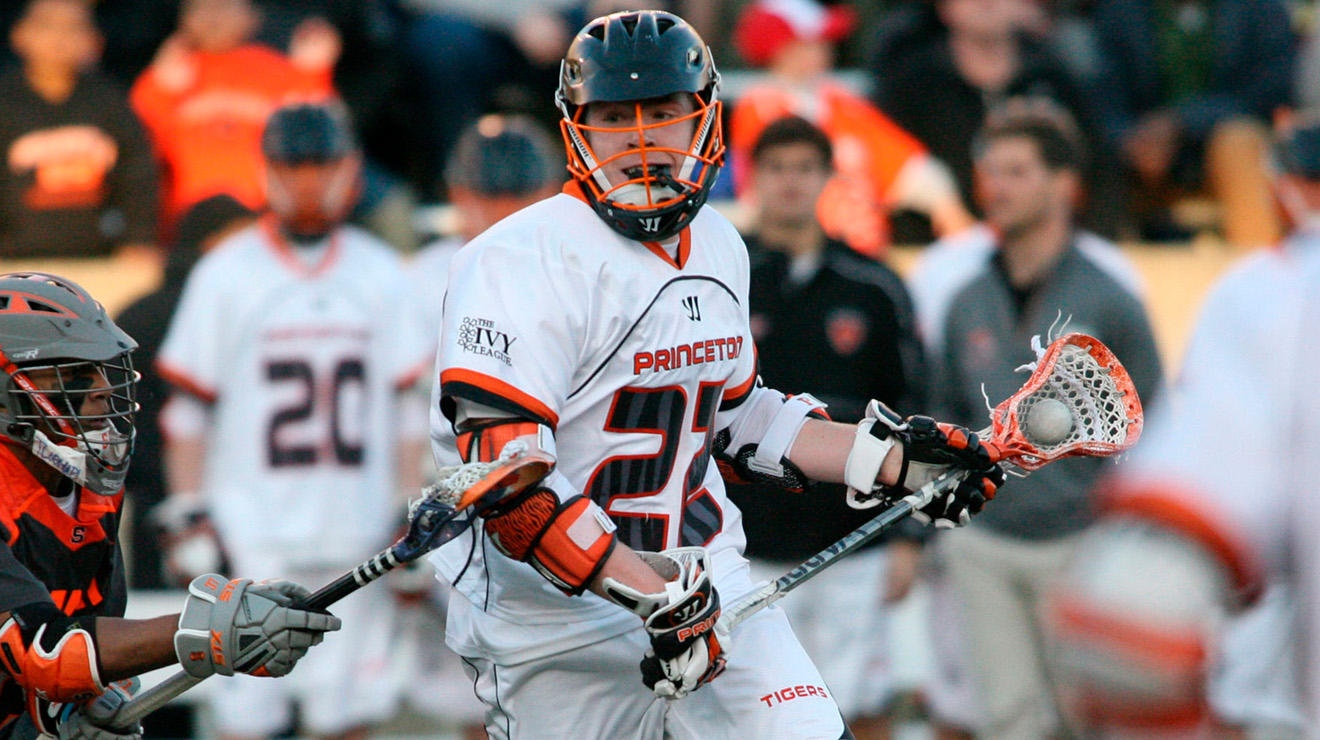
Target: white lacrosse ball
1049, 422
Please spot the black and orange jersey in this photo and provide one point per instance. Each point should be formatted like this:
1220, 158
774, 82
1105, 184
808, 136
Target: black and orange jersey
48, 554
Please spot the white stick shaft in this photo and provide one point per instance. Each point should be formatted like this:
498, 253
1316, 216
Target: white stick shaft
156, 697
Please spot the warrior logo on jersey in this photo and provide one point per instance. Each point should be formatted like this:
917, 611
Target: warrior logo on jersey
692, 307
479, 336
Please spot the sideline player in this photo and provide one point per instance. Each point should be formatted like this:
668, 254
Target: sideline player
608, 326
288, 350
1219, 496
66, 415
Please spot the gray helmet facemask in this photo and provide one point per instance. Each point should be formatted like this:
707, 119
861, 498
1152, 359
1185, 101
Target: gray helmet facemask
51, 329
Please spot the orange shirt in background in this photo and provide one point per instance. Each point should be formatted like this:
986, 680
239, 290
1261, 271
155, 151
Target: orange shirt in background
206, 113
869, 153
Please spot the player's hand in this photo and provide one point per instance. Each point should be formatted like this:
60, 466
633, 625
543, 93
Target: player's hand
97, 718
930, 449
191, 545
242, 626
686, 651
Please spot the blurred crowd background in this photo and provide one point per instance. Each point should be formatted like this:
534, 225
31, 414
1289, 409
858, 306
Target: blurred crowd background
113, 126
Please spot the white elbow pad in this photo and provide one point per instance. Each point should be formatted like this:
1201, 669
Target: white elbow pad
769, 422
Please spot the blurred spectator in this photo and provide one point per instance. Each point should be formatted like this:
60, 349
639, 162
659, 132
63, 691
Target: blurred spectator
501, 164
79, 179
1187, 92
473, 56
980, 298
146, 319
369, 78
289, 355
206, 97
943, 64
879, 167
811, 296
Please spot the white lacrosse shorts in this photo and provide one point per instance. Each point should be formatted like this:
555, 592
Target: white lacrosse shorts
340, 684
839, 618
769, 691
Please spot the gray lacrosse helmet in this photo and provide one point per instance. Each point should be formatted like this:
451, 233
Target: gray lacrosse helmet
55, 340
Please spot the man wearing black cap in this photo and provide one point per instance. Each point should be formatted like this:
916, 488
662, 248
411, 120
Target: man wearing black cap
500, 165
290, 345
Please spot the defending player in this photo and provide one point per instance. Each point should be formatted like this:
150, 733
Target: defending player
66, 416
1220, 495
608, 325
290, 347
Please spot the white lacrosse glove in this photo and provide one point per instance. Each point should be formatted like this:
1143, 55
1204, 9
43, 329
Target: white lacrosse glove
192, 546
686, 650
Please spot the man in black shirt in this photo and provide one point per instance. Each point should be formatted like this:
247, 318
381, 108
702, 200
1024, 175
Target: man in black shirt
78, 178
829, 320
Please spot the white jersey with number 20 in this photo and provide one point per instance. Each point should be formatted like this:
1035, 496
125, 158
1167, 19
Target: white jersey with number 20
300, 363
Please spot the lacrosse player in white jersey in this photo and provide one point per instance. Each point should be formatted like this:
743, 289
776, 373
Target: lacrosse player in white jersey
1219, 498
288, 352
608, 326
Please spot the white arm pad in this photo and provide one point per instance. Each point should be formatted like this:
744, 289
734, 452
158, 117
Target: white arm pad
771, 422
867, 455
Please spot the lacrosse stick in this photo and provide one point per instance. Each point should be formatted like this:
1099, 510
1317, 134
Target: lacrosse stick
445, 510
1079, 401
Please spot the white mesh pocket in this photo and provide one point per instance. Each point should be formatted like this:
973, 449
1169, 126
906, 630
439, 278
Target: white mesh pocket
1085, 387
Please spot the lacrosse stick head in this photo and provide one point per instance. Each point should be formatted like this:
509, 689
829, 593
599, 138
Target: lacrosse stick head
484, 483
1087, 380
463, 492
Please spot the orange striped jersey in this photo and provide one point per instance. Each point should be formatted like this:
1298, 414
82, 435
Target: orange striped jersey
74, 557
870, 151
206, 115
47, 554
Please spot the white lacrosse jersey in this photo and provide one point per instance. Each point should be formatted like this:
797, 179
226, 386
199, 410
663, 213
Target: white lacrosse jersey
628, 354
1235, 447
300, 364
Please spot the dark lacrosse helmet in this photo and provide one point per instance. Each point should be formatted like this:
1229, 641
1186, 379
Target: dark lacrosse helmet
637, 56
313, 173
67, 390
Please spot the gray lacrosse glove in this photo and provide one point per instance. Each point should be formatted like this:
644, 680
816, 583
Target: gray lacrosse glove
96, 719
241, 626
